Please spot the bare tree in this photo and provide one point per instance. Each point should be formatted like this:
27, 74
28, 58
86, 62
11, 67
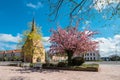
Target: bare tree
80, 8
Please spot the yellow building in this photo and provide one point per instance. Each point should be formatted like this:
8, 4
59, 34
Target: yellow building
33, 50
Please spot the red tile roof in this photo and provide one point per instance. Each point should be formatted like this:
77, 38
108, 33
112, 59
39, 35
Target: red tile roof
10, 51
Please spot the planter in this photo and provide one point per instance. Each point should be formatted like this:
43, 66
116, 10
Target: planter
94, 69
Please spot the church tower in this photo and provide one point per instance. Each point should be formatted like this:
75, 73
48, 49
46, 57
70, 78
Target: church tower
33, 50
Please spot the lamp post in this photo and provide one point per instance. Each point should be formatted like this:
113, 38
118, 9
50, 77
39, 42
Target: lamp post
116, 52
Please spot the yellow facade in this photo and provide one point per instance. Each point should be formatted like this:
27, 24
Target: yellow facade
33, 50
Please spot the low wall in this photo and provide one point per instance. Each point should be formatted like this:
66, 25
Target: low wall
6, 63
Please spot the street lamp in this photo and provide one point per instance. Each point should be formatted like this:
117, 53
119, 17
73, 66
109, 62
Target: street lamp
116, 52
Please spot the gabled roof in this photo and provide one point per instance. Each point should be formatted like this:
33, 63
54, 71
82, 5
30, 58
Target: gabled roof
10, 51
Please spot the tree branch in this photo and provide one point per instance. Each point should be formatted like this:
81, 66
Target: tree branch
56, 10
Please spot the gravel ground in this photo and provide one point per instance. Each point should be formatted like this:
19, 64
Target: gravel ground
106, 72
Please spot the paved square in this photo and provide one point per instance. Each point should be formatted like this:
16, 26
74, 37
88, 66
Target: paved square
106, 72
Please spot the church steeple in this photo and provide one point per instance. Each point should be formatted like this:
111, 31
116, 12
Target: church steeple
33, 50
33, 25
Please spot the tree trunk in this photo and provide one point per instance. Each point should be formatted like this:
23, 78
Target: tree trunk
69, 54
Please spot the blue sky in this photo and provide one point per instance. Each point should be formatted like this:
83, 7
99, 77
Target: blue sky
16, 14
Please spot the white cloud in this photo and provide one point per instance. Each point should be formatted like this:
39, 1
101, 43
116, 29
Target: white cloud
6, 46
31, 5
46, 38
109, 46
34, 6
9, 38
102, 4
46, 43
8, 41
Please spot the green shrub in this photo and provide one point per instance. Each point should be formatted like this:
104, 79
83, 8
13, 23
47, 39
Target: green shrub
45, 65
12, 64
48, 65
31, 64
1, 59
91, 65
52, 65
16, 58
62, 64
77, 61
5, 59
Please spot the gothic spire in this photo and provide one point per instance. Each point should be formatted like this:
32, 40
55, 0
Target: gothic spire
33, 25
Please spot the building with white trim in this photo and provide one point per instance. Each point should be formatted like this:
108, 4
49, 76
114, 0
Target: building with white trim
92, 56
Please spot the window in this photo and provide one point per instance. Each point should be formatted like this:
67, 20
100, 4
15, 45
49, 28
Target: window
88, 54
12, 54
91, 58
91, 54
88, 58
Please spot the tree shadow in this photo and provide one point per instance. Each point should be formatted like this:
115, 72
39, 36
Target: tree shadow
19, 78
30, 70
